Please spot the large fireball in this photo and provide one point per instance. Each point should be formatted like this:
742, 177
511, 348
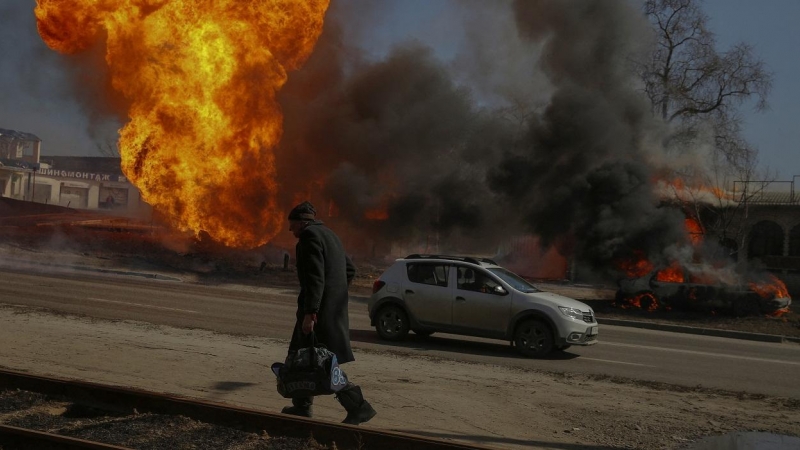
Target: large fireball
201, 78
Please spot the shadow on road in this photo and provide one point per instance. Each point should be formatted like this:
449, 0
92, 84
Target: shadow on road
453, 345
229, 386
359, 299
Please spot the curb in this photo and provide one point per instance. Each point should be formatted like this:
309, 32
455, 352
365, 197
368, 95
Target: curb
152, 276
700, 331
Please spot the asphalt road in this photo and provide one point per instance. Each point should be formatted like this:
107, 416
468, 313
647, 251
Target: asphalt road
679, 359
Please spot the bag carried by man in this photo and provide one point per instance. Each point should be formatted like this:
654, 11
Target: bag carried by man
312, 370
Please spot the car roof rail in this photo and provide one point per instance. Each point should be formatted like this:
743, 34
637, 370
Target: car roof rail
469, 259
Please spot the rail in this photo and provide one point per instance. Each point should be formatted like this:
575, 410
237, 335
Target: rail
14, 437
122, 399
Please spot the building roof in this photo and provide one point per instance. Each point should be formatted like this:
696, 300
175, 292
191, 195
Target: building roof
767, 192
18, 135
774, 198
94, 164
17, 163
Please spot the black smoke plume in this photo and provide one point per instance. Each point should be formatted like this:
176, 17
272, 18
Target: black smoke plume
402, 133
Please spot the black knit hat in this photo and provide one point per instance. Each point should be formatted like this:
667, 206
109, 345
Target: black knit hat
303, 211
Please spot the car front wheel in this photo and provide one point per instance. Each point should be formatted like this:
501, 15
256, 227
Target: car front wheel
534, 338
392, 323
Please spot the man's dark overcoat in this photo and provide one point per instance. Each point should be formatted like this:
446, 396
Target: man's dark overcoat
325, 272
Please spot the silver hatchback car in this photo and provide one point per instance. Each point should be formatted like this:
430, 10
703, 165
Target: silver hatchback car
476, 297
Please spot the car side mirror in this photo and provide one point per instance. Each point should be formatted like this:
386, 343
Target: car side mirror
499, 290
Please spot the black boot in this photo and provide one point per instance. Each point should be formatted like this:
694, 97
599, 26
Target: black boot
301, 407
358, 409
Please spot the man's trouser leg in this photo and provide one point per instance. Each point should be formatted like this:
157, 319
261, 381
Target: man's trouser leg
301, 406
358, 409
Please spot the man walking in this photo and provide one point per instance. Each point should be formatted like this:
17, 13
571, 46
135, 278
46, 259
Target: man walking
325, 272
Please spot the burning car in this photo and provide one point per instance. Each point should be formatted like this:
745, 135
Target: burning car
699, 288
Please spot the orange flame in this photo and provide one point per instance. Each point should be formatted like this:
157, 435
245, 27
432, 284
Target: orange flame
202, 79
672, 274
333, 209
773, 288
689, 190
376, 214
778, 312
694, 229
676, 184
719, 193
642, 301
637, 266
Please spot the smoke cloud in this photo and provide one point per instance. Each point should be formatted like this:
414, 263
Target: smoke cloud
561, 145
591, 149
530, 123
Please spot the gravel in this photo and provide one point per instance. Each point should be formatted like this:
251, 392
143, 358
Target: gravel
137, 431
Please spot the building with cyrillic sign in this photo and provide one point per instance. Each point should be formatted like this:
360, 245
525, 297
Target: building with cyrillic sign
82, 182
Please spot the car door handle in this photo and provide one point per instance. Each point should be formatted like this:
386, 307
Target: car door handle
460, 299
409, 291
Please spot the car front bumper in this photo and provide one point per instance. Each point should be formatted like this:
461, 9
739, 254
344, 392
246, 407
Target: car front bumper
579, 334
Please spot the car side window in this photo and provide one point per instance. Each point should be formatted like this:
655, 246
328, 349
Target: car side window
470, 279
427, 273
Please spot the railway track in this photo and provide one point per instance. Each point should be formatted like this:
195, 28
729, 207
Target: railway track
134, 401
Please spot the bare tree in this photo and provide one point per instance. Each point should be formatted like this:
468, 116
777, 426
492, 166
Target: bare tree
694, 86
520, 111
699, 90
108, 148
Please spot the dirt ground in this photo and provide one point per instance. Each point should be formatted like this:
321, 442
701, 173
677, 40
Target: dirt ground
506, 408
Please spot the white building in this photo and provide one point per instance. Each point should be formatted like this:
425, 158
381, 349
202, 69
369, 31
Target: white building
81, 182
83, 189
19, 155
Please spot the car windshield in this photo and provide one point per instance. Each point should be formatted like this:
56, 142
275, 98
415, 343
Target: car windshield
514, 280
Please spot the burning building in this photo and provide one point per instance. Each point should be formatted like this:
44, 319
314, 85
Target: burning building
766, 229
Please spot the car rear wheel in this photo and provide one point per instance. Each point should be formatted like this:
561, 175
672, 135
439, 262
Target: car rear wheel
534, 338
392, 323
648, 302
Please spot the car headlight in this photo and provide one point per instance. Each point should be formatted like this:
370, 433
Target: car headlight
575, 313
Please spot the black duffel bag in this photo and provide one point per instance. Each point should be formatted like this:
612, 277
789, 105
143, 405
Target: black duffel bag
312, 370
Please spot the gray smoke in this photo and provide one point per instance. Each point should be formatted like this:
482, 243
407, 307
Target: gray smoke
532, 125
398, 134
590, 150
